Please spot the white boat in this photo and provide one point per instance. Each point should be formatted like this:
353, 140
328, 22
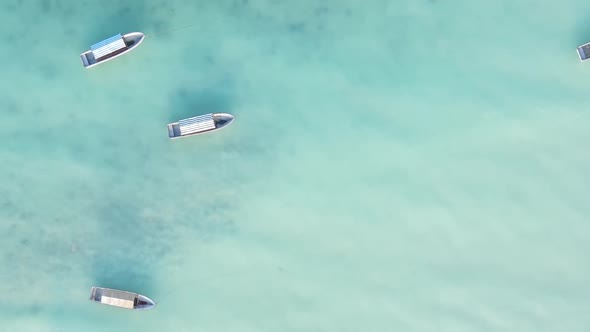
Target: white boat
584, 51
111, 48
199, 124
121, 299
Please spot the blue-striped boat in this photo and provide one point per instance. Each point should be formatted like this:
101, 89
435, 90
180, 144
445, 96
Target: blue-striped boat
111, 48
199, 124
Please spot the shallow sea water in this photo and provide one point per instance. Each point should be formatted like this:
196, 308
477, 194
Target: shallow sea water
393, 166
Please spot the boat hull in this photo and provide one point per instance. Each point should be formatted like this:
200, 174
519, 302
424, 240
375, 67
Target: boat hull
132, 40
121, 299
222, 120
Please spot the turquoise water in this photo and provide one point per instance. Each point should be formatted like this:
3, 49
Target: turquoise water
393, 166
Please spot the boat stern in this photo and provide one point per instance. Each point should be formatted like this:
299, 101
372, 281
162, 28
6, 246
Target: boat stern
584, 51
92, 294
84, 60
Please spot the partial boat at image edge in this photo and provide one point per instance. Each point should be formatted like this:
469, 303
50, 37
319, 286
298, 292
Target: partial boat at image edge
584, 51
